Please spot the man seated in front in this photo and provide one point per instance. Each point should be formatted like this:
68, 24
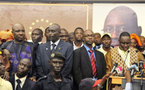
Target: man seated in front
54, 80
20, 81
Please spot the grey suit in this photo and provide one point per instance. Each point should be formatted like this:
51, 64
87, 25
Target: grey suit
43, 55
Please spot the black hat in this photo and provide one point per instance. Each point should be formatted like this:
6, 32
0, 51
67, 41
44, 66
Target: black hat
57, 55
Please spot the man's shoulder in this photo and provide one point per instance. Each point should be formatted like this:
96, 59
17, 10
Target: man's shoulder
4, 45
42, 78
66, 43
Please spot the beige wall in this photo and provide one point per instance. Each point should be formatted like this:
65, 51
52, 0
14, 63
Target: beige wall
35, 15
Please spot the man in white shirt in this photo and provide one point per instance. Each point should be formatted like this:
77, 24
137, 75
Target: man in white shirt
20, 81
78, 36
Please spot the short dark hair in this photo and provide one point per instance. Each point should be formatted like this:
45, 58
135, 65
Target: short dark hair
40, 30
105, 35
97, 34
79, 28
124, 34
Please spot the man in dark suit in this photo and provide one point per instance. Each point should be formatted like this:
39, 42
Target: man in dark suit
88, 63
20, 81
54, 44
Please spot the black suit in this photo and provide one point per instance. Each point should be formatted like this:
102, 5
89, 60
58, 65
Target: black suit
43, 56
27, 85
82, 65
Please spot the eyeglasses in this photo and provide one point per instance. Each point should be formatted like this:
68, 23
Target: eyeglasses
118, 29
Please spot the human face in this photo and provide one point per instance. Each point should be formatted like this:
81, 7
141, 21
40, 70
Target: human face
53, 33
18, 32
64, 36
78, 35
57, 65
88, 38
36, 36
106, 42
114, 25
2, 68
124, 43
23, 67
97, 39
133, 43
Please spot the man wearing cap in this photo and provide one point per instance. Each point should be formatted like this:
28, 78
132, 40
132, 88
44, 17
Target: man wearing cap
106, 41
91, 84
53, 45
88, 63
54, 80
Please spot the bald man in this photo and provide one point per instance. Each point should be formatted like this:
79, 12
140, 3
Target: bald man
53, 45
121, 19
18, 48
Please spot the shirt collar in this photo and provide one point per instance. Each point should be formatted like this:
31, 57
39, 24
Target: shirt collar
22, 79
87, 48
56, 43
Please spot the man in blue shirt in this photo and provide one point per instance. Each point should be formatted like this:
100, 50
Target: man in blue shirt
87, 62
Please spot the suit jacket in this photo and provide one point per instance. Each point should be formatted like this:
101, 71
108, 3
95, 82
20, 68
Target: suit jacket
27, 85
82, 65
43, 56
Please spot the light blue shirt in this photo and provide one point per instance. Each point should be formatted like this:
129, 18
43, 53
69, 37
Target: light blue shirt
87, 48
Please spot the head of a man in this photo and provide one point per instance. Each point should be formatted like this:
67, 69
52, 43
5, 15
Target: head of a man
52, 32
88, 37
64, 35
56, 62
37, 35
97, 38
124, 41
2, 68
78, 34
89, 84
24, 67
71, 37
121, 19
18, 31
106, 41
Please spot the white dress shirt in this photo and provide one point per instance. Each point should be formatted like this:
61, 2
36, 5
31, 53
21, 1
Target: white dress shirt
56, 43
22, 81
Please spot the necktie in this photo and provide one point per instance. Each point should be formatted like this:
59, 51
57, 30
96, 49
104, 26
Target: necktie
93, 64
18, 84
53, 47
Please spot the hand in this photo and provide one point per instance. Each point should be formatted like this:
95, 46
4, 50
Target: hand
128, 76
33, 78
7, 53
6, 75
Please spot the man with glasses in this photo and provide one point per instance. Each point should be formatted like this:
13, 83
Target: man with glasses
124, 55
87, 62
121, 19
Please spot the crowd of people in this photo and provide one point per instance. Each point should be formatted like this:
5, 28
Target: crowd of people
80, 60
65, 61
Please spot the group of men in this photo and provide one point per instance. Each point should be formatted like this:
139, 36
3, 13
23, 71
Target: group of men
62, 62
